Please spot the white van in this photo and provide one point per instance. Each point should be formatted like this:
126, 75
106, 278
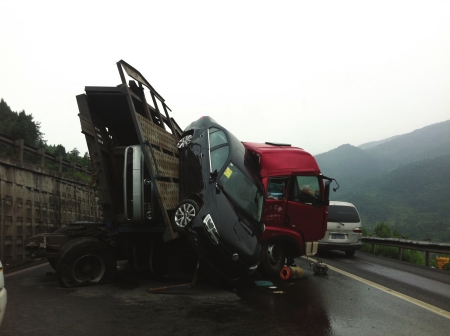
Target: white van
344, 230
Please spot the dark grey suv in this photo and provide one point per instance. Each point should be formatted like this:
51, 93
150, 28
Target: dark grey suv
221, 199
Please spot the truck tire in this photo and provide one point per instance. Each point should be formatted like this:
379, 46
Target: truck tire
139, 256
85, 261
272, 258
158, 261
182, 260
54, 261
184, 214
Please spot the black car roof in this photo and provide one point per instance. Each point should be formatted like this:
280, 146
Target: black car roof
208, 122
235, 144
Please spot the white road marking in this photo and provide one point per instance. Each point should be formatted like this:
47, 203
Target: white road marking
25, 270
419, 303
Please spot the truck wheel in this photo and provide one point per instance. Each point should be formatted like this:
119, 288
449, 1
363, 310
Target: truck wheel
182, 260
85, 261
138, 257
54, 261
158, 261
350, 253
185, 213
272, 258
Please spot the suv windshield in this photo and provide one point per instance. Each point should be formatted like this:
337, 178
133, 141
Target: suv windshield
242, 191
340, 213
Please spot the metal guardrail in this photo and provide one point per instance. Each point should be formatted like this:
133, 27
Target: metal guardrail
425, 246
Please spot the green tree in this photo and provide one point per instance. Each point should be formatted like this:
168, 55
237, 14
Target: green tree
19, 125
23, 126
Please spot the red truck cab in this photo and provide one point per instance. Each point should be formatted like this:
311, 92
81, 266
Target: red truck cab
296, 202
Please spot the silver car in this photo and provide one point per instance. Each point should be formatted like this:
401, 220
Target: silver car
344, 230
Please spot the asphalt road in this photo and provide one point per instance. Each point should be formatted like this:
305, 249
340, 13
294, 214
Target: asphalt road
346, 301
419, 282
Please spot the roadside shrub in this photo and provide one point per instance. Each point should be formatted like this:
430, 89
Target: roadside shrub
383, 230
413, 256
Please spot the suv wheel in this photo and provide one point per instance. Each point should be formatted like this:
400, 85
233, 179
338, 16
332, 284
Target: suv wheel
185, 213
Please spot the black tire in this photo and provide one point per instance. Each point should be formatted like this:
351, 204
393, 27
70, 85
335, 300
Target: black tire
54, 261
184, 214
182, 260
158, 260
139, 256
85, 261
350, 253
273, 256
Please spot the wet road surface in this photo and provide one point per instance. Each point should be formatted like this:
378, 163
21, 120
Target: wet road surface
332, 304
422, 283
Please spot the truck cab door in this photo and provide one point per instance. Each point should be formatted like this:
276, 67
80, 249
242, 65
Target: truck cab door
276, 200
305, 210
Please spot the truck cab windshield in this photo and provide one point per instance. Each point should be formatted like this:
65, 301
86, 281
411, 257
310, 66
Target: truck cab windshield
242, 191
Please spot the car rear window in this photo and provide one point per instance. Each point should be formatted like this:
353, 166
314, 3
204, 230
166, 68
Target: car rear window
341, 213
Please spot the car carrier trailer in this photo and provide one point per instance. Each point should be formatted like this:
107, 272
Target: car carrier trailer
132, 142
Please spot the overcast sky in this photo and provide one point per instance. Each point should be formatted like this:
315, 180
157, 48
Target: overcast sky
315, 74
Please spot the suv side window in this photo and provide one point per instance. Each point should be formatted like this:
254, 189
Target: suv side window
305, 189
216, 137
218, 149
218, 158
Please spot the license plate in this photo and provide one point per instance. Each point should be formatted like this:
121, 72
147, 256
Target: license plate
337, 236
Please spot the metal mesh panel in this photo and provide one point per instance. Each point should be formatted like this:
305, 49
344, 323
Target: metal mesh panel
169, 194
87, 127
168, 165
156, 135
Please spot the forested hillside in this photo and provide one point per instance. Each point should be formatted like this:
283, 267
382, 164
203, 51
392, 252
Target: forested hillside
348, 164
19, 125
411, 192
425, 143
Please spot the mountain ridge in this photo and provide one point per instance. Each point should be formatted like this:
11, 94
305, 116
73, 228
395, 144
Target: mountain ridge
403, 180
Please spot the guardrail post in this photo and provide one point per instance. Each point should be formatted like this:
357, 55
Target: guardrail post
59, 159
74, 166
427, 259
20, 143
373, 249
400, 253
41, 152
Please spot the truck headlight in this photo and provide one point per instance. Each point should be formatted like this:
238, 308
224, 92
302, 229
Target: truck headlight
210, 227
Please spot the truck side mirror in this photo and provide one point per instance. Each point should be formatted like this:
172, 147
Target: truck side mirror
327, 181
326, 197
